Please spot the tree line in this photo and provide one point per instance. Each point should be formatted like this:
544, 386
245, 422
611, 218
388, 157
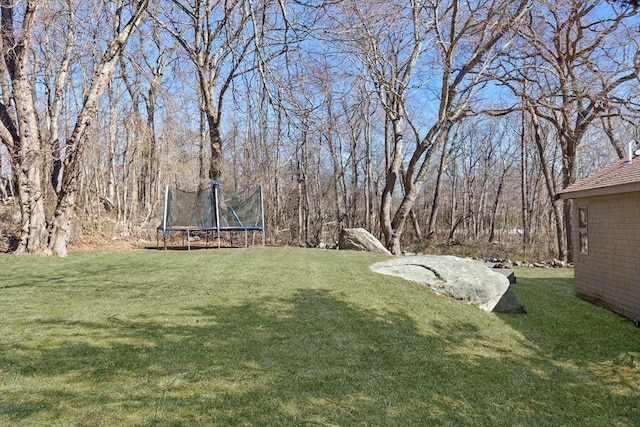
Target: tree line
419, 120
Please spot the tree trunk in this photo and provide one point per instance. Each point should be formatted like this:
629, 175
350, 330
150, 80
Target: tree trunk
435, 206
524, 185
496, 203
33, 236
394, 163
548, 178
22, 137
569, 172
412, 213
60, 224
202, 139
413, 184
368, 177
149, 173
112, 156
215, 139
453, 211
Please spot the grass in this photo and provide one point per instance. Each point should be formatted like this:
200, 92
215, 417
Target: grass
284, 336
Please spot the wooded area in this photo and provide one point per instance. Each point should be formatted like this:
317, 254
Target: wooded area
419, 120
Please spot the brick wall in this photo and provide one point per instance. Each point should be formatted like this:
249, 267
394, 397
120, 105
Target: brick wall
609, 274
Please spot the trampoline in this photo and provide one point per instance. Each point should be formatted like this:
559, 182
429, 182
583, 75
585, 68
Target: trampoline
207, 211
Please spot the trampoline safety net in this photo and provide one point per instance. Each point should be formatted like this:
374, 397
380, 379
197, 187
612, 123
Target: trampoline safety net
210, 209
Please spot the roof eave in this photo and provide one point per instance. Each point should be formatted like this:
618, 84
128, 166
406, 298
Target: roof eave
602, 191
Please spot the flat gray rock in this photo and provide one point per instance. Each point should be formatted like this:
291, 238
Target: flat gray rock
463, 279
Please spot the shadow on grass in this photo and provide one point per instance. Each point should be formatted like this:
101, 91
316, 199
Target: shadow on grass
565, 327
306, 360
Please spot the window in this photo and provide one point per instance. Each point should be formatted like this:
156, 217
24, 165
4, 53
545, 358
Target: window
583, 219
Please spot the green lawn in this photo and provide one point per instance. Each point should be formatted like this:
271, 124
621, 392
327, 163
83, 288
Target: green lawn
300, 337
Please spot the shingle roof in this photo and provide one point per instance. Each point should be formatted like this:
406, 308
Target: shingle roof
620, 176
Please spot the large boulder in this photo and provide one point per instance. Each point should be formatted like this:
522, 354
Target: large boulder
360, 239
463, 279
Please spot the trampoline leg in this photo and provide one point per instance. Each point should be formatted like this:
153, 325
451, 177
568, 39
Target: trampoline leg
164, 239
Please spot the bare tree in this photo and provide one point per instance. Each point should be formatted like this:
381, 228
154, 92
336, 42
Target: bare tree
19, 130
19, 122
569, 71
217, 39
143, 69
391, 39
56, 61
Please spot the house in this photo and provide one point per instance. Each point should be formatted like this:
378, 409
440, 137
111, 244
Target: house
606, 237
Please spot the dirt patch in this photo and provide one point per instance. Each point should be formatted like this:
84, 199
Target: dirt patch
103, 243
